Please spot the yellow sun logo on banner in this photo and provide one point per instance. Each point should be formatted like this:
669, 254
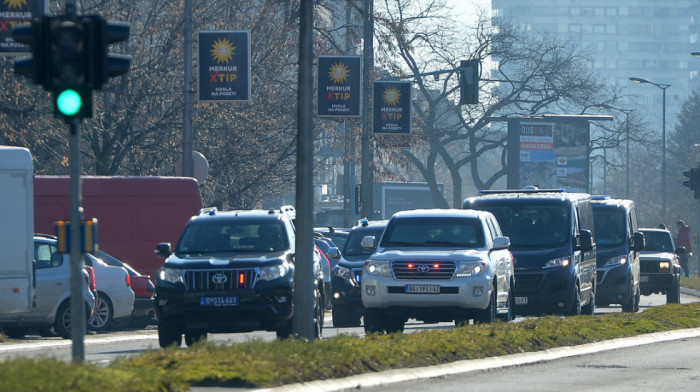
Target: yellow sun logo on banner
222, 50
392, 96
339, 73
15, 3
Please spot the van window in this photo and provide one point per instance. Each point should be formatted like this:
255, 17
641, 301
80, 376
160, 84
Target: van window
534, 226
610, 227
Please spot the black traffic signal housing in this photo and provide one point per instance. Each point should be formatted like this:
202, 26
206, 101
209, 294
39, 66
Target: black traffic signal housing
34, 34
102, 64
693, 181
469, 81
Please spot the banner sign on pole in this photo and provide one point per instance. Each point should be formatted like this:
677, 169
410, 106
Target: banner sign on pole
392, 107
12, 13
339, 86
224, 66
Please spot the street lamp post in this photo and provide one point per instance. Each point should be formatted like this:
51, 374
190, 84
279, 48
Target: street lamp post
627, 148
663, 88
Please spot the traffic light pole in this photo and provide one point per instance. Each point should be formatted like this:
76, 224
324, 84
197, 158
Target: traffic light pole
77, 313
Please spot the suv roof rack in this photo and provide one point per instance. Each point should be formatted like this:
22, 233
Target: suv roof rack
528, 190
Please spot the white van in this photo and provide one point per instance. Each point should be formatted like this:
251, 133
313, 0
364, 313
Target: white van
16, 231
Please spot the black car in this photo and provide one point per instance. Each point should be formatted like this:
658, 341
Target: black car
346, 299
230, 272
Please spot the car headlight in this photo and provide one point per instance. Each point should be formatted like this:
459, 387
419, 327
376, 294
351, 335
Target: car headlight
664, 266
343, 273
274, 271
172, 275
617, 260
558, 262
378, 268
470, 268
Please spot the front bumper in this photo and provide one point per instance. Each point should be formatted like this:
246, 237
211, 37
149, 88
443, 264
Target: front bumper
544, 291
656, 283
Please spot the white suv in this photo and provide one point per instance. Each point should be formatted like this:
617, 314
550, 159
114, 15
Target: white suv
438, 265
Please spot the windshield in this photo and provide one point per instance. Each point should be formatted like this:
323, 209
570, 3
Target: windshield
658, 241
352, 244
610, 227
533, 226
434, 232
240, 235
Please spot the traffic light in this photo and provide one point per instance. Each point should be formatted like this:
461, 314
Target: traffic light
68, 67
690, 182
34, 34
469, 81
99, 35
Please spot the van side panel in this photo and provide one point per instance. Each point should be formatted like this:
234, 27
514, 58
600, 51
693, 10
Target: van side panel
16, 231
133, 213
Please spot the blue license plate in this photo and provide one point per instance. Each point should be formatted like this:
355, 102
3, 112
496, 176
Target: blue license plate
218, 301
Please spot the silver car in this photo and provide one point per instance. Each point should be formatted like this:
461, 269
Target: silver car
115, 298
52, 309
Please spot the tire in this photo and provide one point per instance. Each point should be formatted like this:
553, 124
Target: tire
510, 315
319, 311
637, 298
62, 323
285, 331
103, 314
632, 303
575, 309
15, 333
673, 294
344, 318
193, 336
589, 308
394, 325
169, 334
488, 315
374, 321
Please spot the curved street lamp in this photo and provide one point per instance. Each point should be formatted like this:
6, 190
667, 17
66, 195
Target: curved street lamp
663, 88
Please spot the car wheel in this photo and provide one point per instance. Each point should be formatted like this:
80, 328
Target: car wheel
285, 331
394, 325
629, 305
319, 310
15, 333
637, 298
103, 314
589, 308
487, 315
344, 318
169, 334
575, 309
374, 320
62, 324
673, 294
193, 336
510, 303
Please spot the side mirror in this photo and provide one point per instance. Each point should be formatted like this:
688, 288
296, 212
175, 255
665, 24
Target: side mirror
501, 243
585, 241
638, 241
680, 250
368, 242
163, 250
333, 253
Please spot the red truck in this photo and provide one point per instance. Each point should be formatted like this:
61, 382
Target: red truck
133, 214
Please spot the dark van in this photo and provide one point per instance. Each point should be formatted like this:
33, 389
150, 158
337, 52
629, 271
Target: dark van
618, 243
552, 239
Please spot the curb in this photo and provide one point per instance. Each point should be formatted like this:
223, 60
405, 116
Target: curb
465, 366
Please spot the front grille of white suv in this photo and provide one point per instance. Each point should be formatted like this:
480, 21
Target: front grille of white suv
444, 270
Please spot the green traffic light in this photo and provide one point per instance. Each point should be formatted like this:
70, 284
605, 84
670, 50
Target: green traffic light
69, 102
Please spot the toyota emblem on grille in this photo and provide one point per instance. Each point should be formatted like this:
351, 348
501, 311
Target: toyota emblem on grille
423, 268
219, 278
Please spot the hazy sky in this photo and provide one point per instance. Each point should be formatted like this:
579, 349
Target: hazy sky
466, 7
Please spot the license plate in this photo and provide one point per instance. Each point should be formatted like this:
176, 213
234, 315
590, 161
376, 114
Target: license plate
521, 300
218, 301
644, 279
422, 289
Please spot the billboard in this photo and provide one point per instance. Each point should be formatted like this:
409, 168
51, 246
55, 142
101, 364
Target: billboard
339, 90
392, 107
550, 154
224, 66
12, 13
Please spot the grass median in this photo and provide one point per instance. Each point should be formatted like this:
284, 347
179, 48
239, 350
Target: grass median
266, 364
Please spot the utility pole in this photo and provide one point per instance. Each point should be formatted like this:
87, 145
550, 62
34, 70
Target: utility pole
366, 192
187, 137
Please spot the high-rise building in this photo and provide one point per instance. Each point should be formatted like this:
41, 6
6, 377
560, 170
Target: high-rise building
647, 39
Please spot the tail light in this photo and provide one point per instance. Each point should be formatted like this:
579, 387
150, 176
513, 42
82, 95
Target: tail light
128, 280
91, 278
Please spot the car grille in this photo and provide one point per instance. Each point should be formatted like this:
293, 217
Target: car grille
527, 282
649, 266
219, 280
423, 269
